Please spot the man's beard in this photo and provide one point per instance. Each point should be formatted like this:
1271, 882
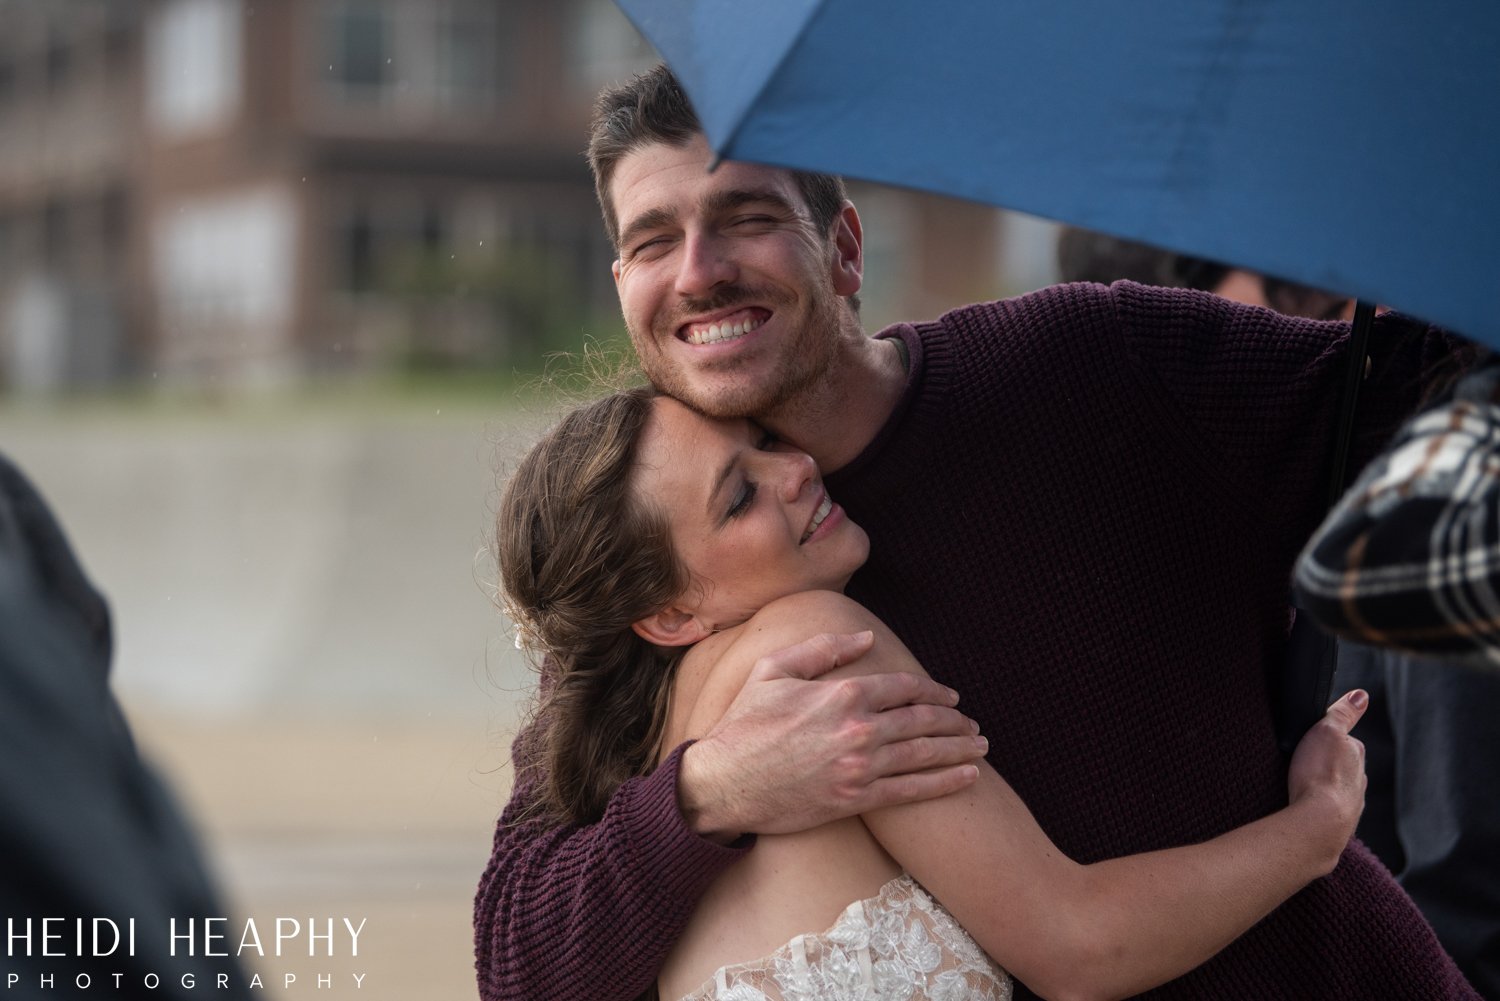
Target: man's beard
799, 366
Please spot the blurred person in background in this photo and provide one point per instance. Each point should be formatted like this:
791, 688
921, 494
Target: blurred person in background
1405, 571
1431, 813
98, 859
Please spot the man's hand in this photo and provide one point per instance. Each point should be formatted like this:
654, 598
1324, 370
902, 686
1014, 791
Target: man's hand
793, 752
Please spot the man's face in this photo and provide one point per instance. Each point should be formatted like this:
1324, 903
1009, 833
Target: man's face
730, 292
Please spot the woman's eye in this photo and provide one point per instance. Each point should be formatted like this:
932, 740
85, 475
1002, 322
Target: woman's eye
767, 442
743, 500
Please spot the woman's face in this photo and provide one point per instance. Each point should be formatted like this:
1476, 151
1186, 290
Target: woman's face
749, 518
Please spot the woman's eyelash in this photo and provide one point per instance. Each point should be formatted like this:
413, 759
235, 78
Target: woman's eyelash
743, 501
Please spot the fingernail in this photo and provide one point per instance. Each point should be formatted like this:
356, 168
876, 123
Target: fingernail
1358, 698
983, 744
953, 697
973, 726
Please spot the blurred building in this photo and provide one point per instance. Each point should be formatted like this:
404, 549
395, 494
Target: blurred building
243, 191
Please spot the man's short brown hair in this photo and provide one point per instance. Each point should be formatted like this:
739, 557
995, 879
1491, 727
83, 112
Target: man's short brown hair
653, 108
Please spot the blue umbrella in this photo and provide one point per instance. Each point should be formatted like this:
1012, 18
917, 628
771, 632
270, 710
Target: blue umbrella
1350, 146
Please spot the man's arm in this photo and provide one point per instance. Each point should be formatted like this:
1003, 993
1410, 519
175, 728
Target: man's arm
591, 911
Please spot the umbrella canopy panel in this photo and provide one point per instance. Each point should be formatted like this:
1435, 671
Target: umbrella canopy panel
1350, 146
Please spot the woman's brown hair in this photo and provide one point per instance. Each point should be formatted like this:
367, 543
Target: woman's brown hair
581, 558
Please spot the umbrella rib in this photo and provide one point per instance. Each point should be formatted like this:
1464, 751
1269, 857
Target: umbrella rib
739, 123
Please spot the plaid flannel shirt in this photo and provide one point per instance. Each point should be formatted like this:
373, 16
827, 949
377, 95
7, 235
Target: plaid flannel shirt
1410, 557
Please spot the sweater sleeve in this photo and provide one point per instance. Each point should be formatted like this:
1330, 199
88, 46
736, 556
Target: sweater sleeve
1260, 392
589, 913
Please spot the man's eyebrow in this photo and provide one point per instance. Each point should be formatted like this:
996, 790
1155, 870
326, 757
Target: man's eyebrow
723, 201
648, 220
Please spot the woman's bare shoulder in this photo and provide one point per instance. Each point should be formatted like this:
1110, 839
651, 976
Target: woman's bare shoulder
807, 613
713, 673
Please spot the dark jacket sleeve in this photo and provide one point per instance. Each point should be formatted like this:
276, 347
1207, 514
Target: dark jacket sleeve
589, 913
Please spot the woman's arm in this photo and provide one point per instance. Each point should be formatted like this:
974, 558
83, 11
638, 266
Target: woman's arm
1116, 927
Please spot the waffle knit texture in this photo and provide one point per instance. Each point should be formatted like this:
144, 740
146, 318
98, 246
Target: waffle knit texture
1083, 514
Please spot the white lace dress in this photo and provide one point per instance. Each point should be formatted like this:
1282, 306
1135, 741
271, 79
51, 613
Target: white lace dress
900, 945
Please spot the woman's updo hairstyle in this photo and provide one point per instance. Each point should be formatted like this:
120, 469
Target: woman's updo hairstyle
581, 559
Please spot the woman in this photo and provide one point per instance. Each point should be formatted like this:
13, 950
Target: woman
655, 555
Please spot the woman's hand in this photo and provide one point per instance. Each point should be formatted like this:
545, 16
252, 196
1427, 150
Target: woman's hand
1327, 774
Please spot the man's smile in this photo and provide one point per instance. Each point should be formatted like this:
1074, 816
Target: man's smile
725, 328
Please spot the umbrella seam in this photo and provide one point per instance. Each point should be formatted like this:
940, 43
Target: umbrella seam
739, 122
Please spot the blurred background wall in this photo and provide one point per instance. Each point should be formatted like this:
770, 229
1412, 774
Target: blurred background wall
275, 278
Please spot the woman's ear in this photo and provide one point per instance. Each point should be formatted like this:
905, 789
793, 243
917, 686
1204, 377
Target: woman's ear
672, 626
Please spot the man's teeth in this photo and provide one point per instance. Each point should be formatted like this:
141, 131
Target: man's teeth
818, 516
715, 332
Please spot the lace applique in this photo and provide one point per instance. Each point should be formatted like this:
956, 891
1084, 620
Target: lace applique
898, 946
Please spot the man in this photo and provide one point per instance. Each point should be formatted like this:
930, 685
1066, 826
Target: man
1083, 512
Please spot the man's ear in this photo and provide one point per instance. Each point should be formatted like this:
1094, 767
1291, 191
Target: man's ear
672, 626
614, 269
848, 244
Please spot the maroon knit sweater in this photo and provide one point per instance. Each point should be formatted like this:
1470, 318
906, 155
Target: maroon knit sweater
1083, 516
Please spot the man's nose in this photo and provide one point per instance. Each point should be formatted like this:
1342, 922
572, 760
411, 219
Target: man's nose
706, 264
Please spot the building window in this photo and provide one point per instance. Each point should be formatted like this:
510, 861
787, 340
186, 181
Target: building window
7, 78
193, 65
361, 61
357, 247
413, 59
470, 57
58, 60
57, 246
7, 240
114, 222
606, 49
389, 246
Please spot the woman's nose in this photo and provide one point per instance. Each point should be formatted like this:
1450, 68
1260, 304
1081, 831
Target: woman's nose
798, 472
